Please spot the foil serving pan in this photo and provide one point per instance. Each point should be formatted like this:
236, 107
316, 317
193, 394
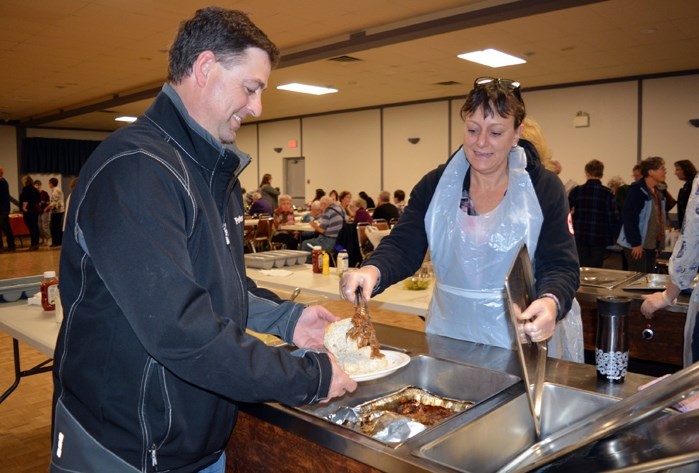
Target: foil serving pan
396, 417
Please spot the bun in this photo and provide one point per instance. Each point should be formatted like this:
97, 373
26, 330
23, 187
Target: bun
352, 359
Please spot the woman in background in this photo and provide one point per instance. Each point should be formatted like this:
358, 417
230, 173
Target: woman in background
268, 192
682, 268
685, 171
282, 216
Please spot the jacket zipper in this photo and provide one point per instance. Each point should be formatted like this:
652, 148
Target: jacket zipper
154, 457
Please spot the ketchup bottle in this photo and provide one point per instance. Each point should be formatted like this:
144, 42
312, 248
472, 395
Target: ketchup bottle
317, 259
49, 290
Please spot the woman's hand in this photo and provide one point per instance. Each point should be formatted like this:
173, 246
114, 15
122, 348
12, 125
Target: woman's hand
659, 300
540, 319
365, 278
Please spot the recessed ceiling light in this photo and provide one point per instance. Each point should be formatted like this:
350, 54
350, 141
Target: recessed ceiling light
307, 89
492, 58
125, 118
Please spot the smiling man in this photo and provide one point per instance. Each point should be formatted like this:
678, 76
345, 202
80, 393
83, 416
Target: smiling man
153, 358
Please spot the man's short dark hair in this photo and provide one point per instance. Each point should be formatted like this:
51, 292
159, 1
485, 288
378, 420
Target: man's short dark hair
226, 33
595, 168
399, 195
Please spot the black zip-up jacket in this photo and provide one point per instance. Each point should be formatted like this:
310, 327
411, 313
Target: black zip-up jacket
152, 357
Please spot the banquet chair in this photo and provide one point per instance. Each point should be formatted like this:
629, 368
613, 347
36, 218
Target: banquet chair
263, 234
363, 239
380, 223
392, 222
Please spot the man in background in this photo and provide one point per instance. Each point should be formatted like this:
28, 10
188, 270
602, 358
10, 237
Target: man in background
5, 226
384, 208
595, 216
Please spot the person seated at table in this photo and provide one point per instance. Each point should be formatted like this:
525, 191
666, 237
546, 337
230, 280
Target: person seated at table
385, 209
284, 215
333, 195
312, 214
361, 214
345, 200
399, 200
328, 226
319, 193
259, 205
369, 201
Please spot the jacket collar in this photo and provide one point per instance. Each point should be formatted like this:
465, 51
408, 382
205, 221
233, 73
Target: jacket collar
170, 115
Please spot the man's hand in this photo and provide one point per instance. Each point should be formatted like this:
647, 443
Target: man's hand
310, 329
341, 383
637, 252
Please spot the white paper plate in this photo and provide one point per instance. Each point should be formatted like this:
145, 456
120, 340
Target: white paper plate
396, 360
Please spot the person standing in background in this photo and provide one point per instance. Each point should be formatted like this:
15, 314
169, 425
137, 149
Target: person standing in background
636, 173
5, 226
643, 217
56, 209
269, 193
685, 171
44, 217
595, 216
30, 204
682, 269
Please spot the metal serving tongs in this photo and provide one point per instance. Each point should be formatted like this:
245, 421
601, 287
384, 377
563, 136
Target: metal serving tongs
363, 330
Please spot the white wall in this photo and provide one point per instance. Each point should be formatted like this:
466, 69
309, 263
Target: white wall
405, 163
611, 136
368, 150
668, 104
343, 152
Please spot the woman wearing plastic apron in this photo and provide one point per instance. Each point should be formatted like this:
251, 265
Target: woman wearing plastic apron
472, 214
683, 266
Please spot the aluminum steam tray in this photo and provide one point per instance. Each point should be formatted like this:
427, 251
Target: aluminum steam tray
605, 278
653, 282
13, 289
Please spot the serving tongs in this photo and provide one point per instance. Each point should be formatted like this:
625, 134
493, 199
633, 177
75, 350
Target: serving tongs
362, 329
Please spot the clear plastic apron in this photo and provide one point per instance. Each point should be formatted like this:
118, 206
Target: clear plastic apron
472, 254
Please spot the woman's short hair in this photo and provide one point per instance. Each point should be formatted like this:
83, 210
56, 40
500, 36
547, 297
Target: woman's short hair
359, 202
497, 96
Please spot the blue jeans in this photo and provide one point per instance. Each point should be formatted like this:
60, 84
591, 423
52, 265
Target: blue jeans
218, 467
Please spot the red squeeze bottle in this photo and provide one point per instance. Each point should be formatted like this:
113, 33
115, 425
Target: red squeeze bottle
49, 290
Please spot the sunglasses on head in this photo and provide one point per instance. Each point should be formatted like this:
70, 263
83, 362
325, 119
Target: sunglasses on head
510, 84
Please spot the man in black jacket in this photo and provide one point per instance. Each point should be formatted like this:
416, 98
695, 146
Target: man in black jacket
153, 358
5, 213
385, 209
